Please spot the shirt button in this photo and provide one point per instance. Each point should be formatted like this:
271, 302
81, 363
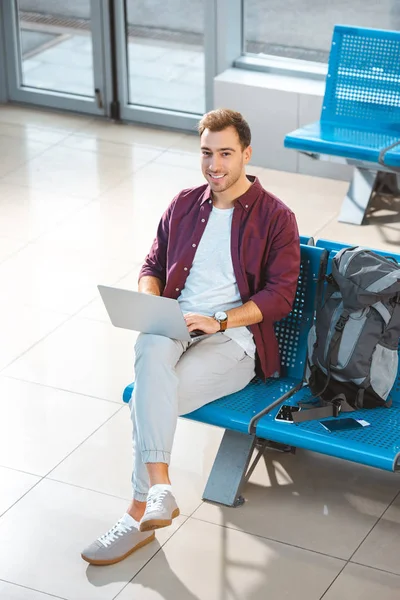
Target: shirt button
177, 289
185, 268
247, 206
203, 220
193, 245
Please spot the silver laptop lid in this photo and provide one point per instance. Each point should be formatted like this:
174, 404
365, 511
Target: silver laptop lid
144, 312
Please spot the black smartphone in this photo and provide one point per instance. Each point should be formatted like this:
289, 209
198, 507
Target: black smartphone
342, 424
196, 333
285, 413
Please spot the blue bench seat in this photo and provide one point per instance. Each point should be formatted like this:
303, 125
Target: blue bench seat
376, 446
355, 144
360, 115
248, 416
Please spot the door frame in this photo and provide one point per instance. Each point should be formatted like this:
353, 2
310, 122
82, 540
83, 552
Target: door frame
3, 73
17, 92
221, 17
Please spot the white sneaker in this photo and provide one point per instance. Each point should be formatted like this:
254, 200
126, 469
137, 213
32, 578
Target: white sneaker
161, 508
118, 543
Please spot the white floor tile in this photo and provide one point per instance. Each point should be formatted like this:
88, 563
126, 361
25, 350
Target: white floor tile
69, 171
314, 201
207, 562
311, 501
13, 485
100, 230
186, 160
40, 426
361, 583
139, 154
376, 233
104, 462
381, 547
55, 522
22, 326
131, 134
42, 118
27, 131
15, 152
188, 143
83, 356
96, 309
43, 276
26, 213
9, 246
10, 591
146, 203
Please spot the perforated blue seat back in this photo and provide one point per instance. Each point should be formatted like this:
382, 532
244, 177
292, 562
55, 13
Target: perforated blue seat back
363, 82
292, 332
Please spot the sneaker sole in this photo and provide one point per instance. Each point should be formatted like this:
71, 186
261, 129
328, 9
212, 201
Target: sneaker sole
158, 523
119, 558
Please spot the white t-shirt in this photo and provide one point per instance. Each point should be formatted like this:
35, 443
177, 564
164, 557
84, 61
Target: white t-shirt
211, 284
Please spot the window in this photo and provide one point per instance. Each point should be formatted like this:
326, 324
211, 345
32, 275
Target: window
165, 43
56, 46
302, 29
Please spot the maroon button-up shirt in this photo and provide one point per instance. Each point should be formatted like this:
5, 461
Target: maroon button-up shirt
265, 255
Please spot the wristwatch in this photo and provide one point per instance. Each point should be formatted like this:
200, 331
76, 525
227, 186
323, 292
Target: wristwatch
222, 319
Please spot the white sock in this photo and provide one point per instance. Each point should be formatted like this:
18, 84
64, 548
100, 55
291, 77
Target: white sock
128, 520
160, 487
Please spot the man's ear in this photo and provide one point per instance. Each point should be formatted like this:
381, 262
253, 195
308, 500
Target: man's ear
247, 154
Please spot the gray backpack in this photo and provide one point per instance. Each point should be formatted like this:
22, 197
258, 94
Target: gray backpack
352, 348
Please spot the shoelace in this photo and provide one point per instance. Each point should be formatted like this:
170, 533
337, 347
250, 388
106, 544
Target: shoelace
155, 501
115, 532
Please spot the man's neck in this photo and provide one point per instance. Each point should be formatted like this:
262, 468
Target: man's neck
227, 199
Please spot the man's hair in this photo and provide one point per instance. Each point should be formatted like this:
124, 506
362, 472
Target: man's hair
221, 118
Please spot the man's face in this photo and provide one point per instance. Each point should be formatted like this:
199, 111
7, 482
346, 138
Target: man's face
223, 158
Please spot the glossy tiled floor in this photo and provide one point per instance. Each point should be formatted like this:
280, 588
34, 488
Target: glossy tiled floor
79, 203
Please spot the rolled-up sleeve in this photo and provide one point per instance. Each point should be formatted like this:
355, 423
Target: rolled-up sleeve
155, 263
275, 300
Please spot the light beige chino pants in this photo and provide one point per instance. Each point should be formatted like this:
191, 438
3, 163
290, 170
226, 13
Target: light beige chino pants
174, 378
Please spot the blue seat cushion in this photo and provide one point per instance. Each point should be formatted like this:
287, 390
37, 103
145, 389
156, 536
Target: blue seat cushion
357, 144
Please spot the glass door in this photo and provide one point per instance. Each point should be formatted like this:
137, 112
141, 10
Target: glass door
55, 53
161, 61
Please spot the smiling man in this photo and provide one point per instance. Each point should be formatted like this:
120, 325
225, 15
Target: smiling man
229, 252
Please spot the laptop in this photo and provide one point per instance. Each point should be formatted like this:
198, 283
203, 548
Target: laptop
145, 313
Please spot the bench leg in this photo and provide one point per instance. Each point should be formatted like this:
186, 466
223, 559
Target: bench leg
229, 469
388, 183
358, 197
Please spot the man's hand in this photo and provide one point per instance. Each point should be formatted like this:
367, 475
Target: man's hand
206, 324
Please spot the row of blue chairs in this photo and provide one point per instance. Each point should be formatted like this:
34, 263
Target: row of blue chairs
248, 416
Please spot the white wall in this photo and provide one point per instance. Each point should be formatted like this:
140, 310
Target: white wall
275, 105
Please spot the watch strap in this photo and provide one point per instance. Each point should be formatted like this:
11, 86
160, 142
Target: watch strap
223, 325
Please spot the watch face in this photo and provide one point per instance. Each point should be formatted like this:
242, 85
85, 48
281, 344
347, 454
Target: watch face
221, 316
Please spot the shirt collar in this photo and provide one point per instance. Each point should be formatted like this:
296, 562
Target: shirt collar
246, 200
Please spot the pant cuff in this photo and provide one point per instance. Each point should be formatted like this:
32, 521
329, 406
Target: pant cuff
155, 456
139, 496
